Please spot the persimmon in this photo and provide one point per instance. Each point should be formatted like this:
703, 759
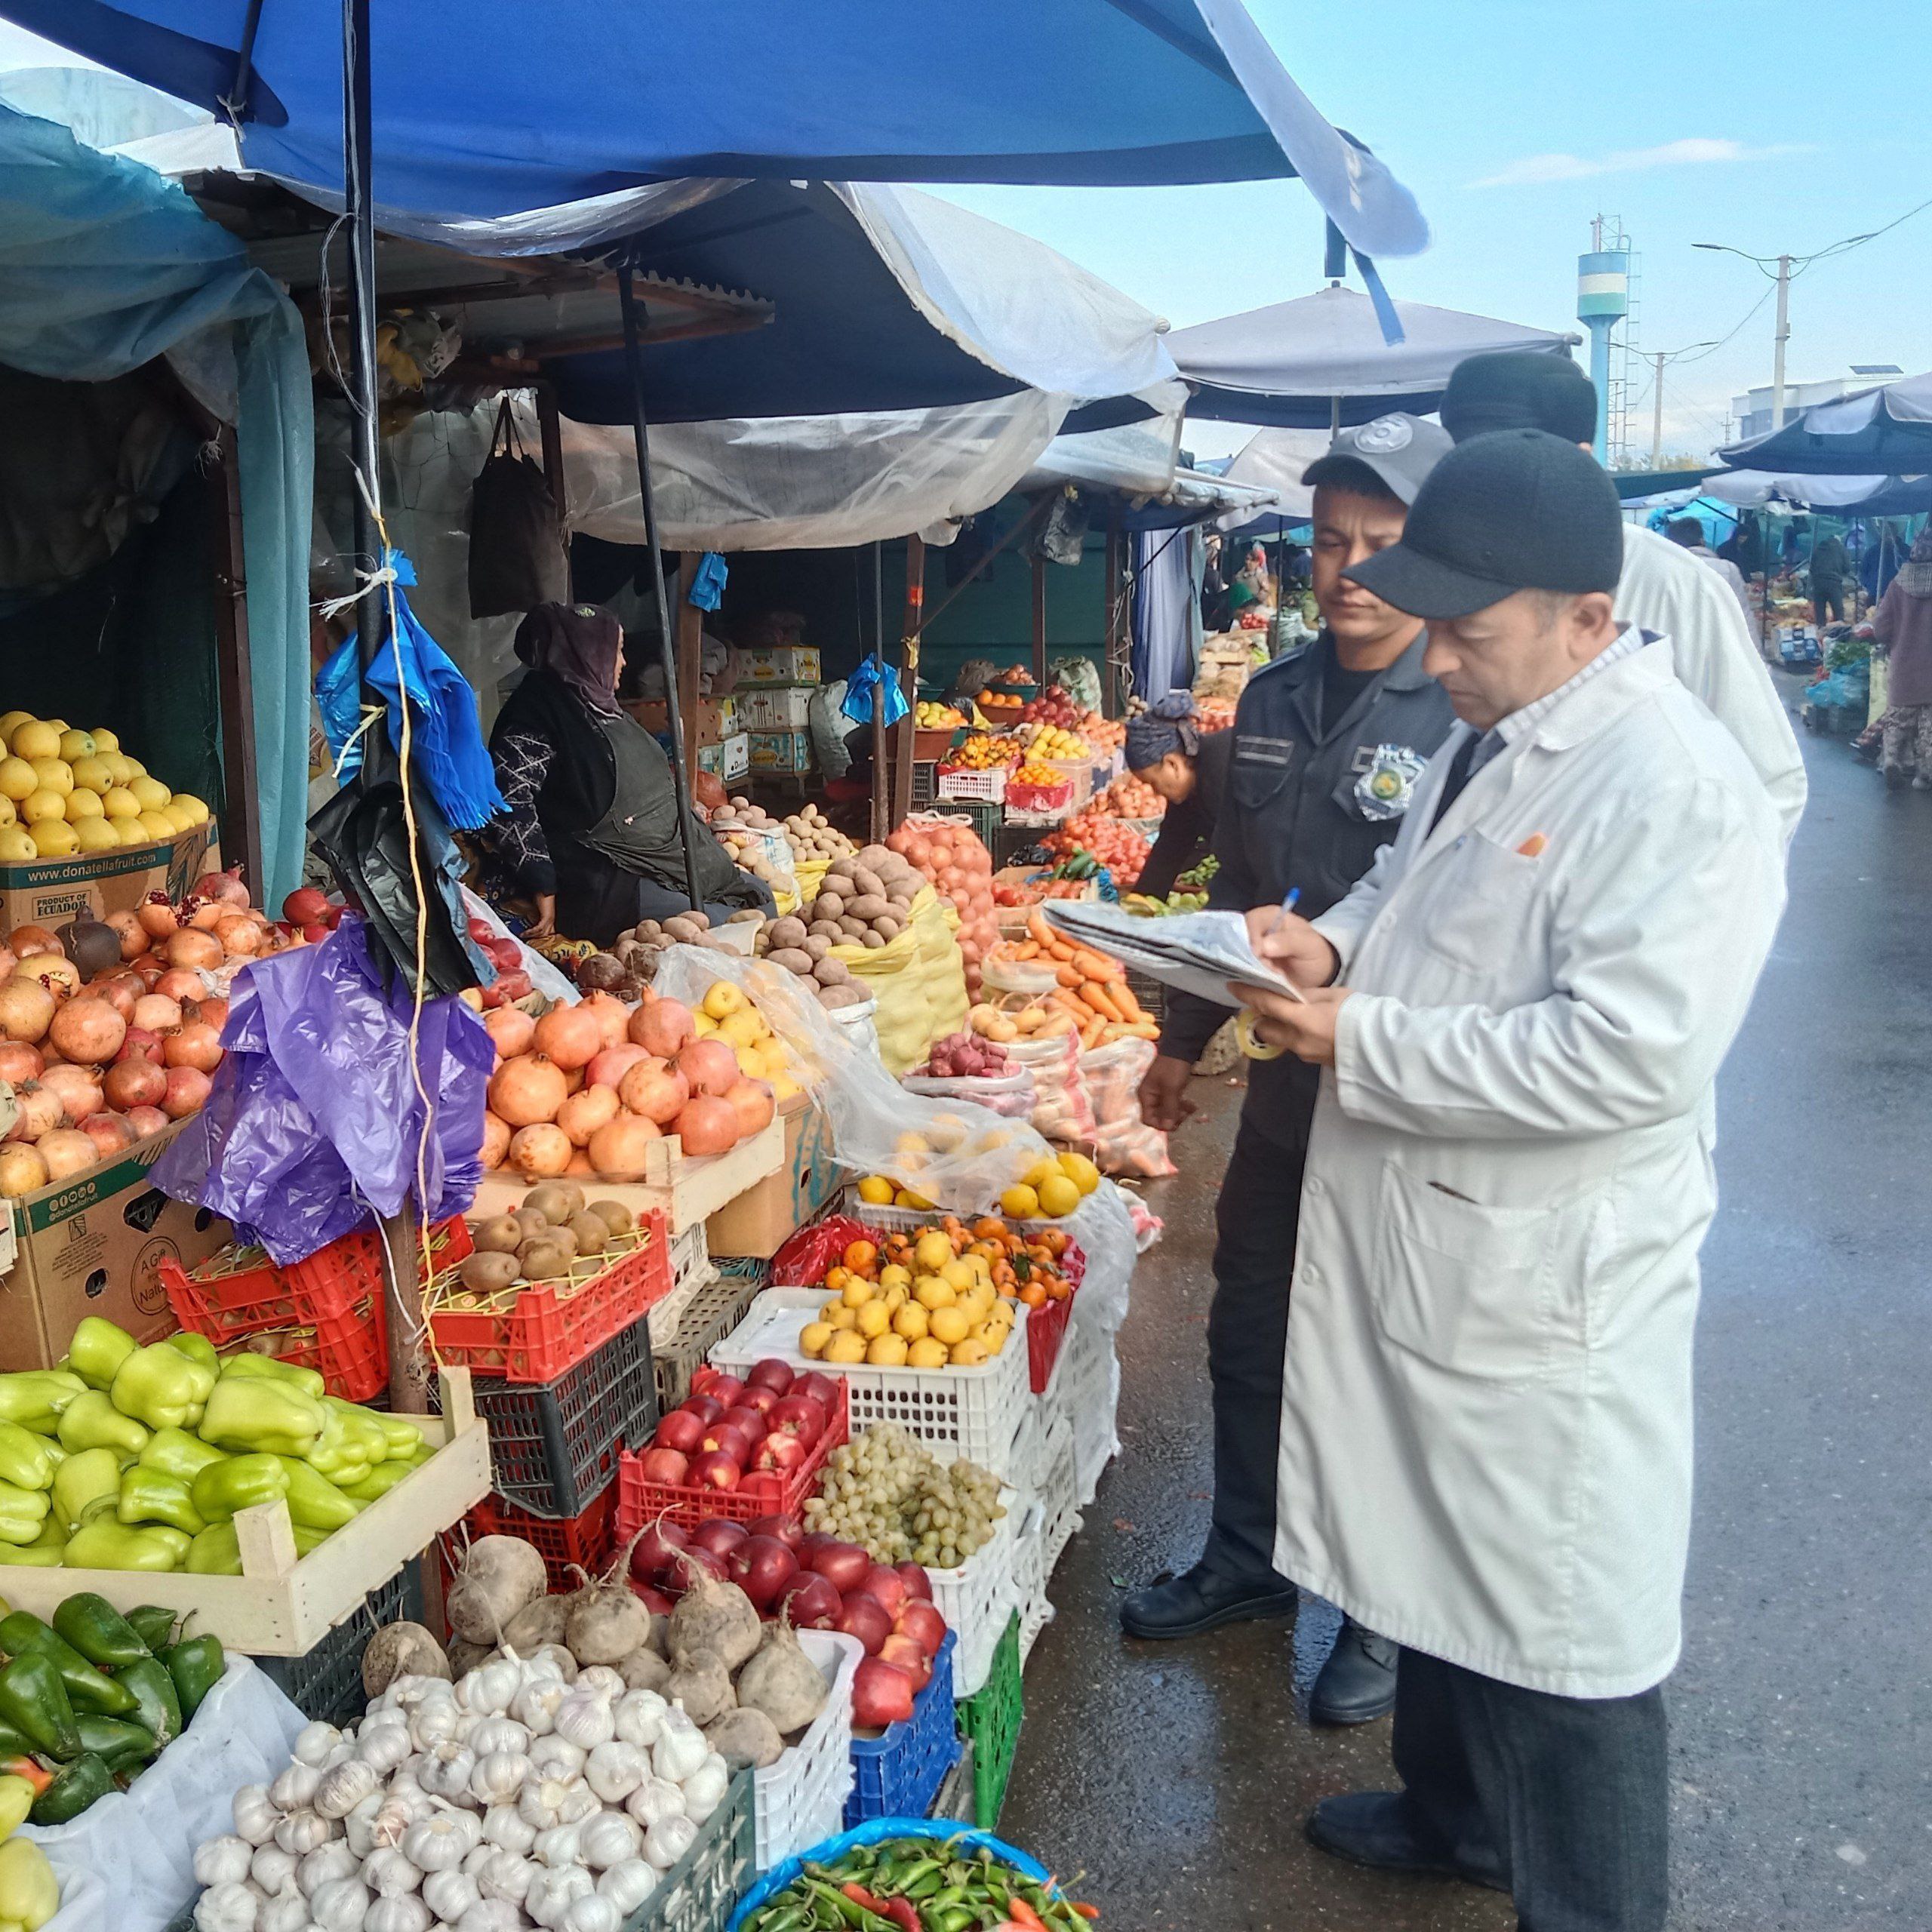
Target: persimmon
860, 1254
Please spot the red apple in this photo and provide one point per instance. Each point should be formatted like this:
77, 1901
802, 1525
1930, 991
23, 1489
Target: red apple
706, 1408
904, 1653
722, 1439
670, 1465
748, 1422
761, 1399
819, 1387
888, 1585
714, 1469
681, 1431
771, 1373
723, 1390
780, 1453
799, 1416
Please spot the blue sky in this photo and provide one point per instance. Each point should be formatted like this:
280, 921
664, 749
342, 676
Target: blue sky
1768, 125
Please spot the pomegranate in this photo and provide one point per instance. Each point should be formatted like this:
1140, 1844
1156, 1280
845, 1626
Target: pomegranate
187, 1092
22, 1170
157, 918
619, 1150
665, 1465
67, 1151
39, 1112
497, 1132
214, 1011
128, 930
705, 1125
118, 994
226, 889
146, 1120
610, 1066
25, 941
79, 1091
180, 984
141, 1044
527, 1090
654, 1090
240, 937
53, 971
512, 1028
192, 947
751, 1101
87, 1031
196, 1045
540, 1151
157, 1013
662, 1026
27, 1011
18, 1062
710, 1066
307, 905
584, 1112
612, 1015
132, 1083
571, 1036
109, 1132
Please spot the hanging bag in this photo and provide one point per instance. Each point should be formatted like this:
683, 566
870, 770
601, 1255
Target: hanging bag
516, 538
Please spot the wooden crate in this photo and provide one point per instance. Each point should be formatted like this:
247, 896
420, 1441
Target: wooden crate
283, 1606
687, 1190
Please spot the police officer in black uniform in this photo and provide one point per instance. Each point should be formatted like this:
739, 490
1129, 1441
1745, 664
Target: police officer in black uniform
1327, 746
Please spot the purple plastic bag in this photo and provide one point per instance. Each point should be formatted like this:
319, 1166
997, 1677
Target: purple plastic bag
315, 1120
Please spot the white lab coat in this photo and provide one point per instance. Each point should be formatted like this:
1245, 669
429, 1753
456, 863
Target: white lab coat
1666, 589
1485, 1448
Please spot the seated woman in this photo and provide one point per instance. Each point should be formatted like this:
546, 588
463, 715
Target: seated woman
592, 831
1166, 749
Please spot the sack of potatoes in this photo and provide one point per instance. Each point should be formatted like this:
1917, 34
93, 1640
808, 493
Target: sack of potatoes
864, 901
787, 943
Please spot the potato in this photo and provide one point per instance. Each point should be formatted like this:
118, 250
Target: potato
815, 946
847, 995
868, 882
888, 926
831, 972
854, 928
556, 1200
830, 907
788, 932
875, 855
700, 918
593, 1235
825, 931
793, 958
869, 905
489, 1273
684, 929
501, 1234
614, 1215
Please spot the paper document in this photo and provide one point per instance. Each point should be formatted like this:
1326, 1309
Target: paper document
1199, 953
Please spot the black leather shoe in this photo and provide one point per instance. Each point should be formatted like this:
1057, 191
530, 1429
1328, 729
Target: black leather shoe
1200, 1600
1357, 1685
1377, 1828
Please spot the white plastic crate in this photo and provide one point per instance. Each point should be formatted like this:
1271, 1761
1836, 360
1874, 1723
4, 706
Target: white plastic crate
987, 786
802, 1798
971, 1412
976, 1599
1085, 1389
1029, 1591
691, 1270
1055, 1491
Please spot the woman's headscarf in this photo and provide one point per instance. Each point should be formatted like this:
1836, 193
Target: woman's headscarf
1170, 724
1915, 576
579, 645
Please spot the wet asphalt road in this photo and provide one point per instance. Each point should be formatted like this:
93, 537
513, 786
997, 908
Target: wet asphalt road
1176, 1777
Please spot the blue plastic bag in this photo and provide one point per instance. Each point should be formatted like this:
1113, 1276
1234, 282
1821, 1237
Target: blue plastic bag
314, 1120
875, 1831
874, 681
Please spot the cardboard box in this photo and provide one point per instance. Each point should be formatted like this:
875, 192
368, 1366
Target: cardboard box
730, 759
785, 664
760, 1220
776, 708
781, 751
717, 719
93, 1244
49, 892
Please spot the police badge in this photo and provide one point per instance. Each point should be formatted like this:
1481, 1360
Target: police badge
1387, 781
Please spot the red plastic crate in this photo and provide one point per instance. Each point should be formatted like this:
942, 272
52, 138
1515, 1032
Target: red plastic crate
586, 1542
760, 1493
551, 1327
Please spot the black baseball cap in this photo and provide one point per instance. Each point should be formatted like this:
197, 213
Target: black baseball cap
1518, 510
1520, 389
1398, 450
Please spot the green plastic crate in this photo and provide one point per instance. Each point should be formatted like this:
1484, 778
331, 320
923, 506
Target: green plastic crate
989, 1721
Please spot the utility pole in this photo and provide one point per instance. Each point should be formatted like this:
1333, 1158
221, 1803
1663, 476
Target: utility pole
1656, 412
1782, 336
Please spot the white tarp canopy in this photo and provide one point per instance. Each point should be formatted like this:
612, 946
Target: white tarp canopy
1274, 459
1750, 489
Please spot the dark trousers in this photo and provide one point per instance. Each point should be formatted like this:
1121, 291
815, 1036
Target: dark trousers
1564, 1798
1255, 1222
1828, 595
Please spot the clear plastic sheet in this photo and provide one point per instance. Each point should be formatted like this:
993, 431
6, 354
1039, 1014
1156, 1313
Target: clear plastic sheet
1123, 1143
315, 1120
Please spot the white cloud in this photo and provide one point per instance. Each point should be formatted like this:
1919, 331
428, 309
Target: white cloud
1694, 151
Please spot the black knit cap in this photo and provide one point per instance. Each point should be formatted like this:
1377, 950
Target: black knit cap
1520, 389
1518, 510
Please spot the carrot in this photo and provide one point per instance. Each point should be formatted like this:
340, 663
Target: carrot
1023, 1913
1068, 975
1090, 1037
1038, 929
1095, 995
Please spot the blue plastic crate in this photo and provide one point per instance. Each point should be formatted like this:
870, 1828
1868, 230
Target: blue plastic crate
899, 1775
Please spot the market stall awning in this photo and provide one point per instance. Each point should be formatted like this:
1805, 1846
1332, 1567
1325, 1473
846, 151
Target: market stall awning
495, 108
1837, 496
1292, 363
1881, 432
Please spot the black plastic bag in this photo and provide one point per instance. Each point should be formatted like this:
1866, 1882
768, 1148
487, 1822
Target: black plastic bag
516, 538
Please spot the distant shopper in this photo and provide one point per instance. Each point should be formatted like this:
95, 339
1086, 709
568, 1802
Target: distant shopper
1167, 749
1830, 567
1688, 532
1902, 624
1661, 590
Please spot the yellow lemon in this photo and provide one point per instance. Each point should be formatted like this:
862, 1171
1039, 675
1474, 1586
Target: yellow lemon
196, 808
97, 834
856, 1292
874, 1318
155, 826
1081, 1171
909, 1142
846, 1346
42, 805
875, 1189
76, 746
55, 774
91, 774
1058, 1196
117, 801
723, 1000
131, 831
80, 803
35, 739
54, 838
968, 1354
136, 769
17, 845
119, 769
1042, 1171
886, 1351
912, 1321
929, 1291
906, 1198
926, 1354
107, 741
11, 721
151, 792
814, 1336
932, 1251
17, 780
1019, 1203
182, 817
949, 1325
58, 725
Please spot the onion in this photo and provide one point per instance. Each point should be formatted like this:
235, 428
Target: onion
843, 1565
761, 1566
662, 1026
22, 1170
187, 1092
109, 1132
18, 1062
196, 1045
132, 1083
570, 1035
706, 1125
156, 917
540, 1151
39, 1110
880, 1695
226, 886
157, 1013
67, 1151
27, 1011
527, 1090
191, 948
88, 1031
79, 1091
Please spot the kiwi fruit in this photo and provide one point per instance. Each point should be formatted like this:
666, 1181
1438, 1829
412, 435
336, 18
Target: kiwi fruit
592, 1232
614, 1215
501, 1234
533, 1221
547, 1260
489, 1273
556, 1200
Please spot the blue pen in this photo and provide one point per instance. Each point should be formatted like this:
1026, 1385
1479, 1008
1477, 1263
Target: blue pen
1294, 895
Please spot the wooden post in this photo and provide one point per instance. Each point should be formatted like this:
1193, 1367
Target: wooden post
1114, 685
915, 607
551, 431
240, 816
881, 798
409, 1362
690, 620
1040, 620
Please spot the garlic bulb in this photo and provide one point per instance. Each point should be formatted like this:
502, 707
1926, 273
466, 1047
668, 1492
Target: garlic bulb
705, 1788
584, 1719
497, 1779
535, 1706
256, 1815
639, 1717
445, 1772
324, 1865
505, 1827
286, 1911
608, 1839
680, 1748
555, 1756
440, 1841
655, 1799
558, 1846
340, 1905
489, 1734
272, 1869
223, 1861
388, 1872
295, 1787
615, 1769
314, 1745
490, 1688
302, 1832
590, 1912
551, 1893
340, 1791
230, 1908
628, 1885
602, 1679
358, 1829
383, 1746
545, 1802
400, 1912
668, 1841
507, 1875
449, 1894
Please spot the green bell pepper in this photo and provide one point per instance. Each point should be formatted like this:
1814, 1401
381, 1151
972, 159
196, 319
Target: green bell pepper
14, 1744
341, 1453
98, 1349
377, 1483
307, 1539
23, 1633
253, 1415
91, 1421
198, 1349
104, 1544
195, 1666
362, 1427
246, 1366
35, 1702
76, 1786
173, 1452
24, 1461
119, 1743
149, 1496
216, 1551
403, 1437
101, 1633
161, 1387
158, 1703
32, 1556
84, 1481
34, 1398
224, 1489
22, 1513
152, 1624
314, 1502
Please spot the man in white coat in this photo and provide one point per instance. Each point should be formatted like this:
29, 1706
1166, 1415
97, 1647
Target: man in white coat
1485, 1442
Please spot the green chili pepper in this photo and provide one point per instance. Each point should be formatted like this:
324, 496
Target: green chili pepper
74, 1788
117, 1742
35, 1702
195, 1666
23, 1635
157, 1705
101, 1633
154, 1626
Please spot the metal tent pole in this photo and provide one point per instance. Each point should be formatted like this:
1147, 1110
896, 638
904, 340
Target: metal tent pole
881, 812
667, 647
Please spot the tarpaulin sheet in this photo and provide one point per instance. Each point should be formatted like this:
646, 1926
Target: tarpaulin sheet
1881, 432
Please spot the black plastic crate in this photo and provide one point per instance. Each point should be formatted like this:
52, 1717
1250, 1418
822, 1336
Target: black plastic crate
714, 1311
553, 1445
326, 1683
1151, 992
701, 1891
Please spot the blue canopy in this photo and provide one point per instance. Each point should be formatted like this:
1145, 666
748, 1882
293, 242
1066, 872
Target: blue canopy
103, 267
1882, 432
495, 106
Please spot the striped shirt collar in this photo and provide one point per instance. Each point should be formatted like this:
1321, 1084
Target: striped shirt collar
1506, 731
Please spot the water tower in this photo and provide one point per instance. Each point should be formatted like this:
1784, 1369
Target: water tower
1603, 299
